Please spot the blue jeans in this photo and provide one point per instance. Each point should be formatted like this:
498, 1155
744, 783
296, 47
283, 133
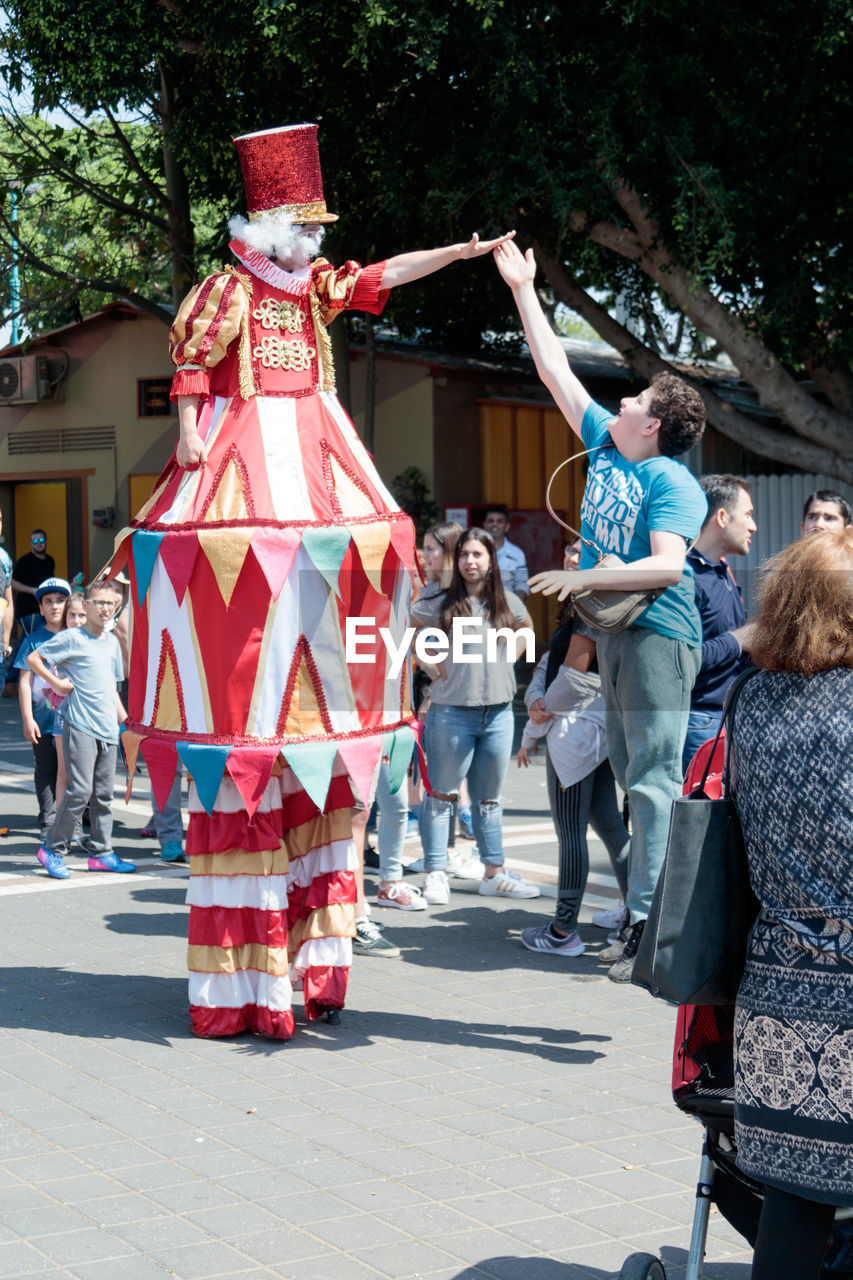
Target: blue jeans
392, 824
701, 725
473, 743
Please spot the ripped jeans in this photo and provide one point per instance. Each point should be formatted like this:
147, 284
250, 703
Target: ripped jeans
473, 743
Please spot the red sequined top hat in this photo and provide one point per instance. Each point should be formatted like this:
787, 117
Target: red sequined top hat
281, 174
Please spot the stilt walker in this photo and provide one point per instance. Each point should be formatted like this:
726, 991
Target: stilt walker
268, 528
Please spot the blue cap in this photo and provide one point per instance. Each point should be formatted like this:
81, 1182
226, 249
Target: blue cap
52, 584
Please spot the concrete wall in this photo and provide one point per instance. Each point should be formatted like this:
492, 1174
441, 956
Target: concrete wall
107, 357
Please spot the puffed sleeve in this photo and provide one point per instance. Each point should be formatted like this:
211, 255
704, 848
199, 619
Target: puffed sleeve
208, 321
349, 288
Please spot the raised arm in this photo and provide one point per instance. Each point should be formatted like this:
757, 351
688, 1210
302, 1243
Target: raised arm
519, 272
423, 262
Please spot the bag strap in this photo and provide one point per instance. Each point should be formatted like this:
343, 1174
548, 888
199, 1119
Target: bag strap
731, 702
729, 716
552, 513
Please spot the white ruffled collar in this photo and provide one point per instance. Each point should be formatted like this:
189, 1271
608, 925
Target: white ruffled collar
288, 281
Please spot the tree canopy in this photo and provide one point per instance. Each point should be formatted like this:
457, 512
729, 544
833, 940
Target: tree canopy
691, 161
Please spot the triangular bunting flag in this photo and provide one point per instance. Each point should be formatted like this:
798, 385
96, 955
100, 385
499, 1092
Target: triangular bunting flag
162, 760
205, 765
129, 743
403, 540
118, 559
275, 551
312, 762
145, 547
178, 556
250, 769
226, 550
359, 756
372, 541
326, 549
402, 746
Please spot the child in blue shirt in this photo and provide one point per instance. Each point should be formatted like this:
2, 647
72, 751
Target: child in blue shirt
644, 506
89, 660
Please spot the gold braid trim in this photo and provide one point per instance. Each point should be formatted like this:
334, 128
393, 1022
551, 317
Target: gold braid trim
324, 346
247, 380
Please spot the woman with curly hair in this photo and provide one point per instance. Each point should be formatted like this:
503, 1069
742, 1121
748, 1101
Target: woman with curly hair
792, 755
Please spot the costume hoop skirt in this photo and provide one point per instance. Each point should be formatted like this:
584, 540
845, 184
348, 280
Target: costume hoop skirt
243, 573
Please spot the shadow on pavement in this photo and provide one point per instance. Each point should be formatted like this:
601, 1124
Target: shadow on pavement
107, 1006
674, 1261
163, 924
360, 1026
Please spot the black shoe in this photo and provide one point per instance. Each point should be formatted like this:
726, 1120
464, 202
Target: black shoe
622, 970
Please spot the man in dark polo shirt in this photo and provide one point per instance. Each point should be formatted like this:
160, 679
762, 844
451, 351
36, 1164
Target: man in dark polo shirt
727, 531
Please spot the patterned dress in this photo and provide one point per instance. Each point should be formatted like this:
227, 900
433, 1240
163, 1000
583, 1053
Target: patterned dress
243, 574
793, 784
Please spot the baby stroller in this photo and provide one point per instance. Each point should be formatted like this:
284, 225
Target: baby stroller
703, 1087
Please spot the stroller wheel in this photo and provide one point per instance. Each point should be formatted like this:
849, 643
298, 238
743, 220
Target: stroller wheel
642, 1266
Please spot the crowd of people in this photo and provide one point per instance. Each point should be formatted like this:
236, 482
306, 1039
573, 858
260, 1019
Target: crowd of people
614, 708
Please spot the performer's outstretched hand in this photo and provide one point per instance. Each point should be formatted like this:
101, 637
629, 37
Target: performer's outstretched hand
476, 247
554, 580
516, 268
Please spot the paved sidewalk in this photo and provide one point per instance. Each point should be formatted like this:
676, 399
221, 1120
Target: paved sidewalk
482, 1111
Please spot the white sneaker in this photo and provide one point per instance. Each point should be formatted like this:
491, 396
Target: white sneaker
454, 862
436, 889
508, 884
404, 897
471, 869
612, 920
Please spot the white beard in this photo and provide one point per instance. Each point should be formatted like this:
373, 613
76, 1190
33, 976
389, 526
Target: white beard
286, 241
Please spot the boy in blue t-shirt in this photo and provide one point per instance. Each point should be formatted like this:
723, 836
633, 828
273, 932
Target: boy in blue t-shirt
90, 658
646, 508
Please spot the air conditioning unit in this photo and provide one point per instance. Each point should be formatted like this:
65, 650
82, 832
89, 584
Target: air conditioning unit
24, 380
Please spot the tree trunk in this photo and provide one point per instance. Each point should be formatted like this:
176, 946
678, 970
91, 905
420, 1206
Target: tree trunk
181, 236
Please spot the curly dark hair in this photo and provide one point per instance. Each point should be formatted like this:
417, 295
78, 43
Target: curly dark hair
681, 411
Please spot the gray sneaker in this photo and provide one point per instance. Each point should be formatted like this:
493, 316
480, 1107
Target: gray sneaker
368, 941
623, 969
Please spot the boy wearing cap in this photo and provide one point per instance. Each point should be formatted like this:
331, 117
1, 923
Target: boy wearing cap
91, 657
36, 714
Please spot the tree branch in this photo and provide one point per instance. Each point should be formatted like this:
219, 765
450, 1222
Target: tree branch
132, 159
37, 150
98, 284
790, 450
777, 390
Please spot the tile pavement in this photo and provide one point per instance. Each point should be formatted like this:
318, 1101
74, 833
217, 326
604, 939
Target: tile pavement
482, 1114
